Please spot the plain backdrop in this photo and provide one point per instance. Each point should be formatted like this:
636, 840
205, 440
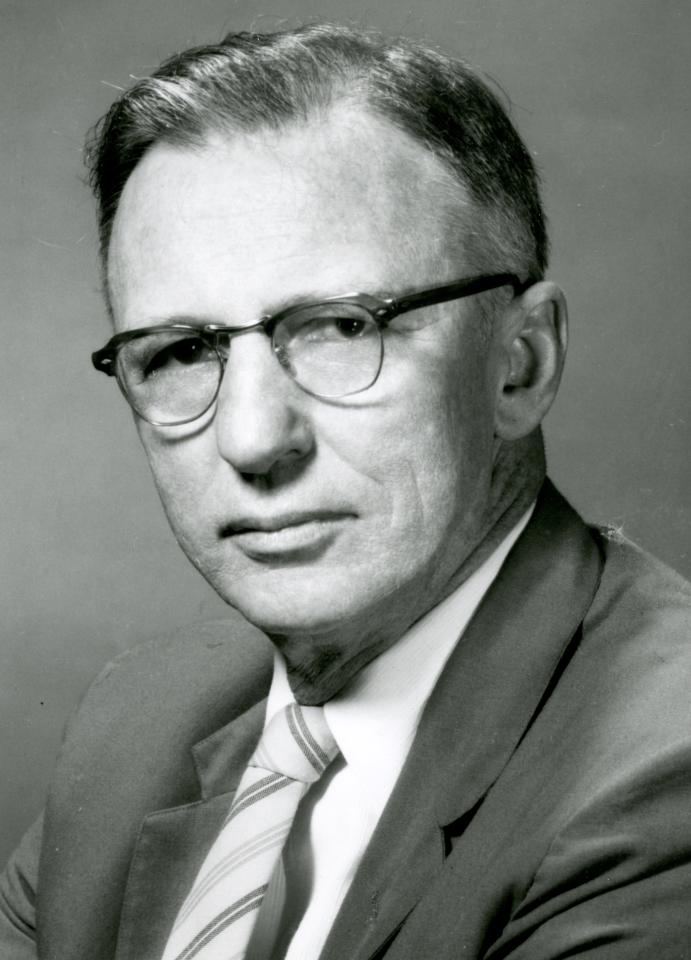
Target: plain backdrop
600, 90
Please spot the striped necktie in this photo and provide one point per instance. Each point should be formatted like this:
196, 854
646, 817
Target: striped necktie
216, 920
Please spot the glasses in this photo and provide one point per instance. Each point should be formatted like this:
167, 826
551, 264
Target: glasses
171, 373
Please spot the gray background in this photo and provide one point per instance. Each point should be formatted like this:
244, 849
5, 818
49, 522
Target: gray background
600, 89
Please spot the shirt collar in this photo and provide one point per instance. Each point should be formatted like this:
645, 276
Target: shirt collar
375, 717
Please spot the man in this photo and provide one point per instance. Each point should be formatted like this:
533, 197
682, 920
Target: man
324, 257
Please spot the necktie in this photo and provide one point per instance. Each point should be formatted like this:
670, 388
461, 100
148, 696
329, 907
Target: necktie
216, 920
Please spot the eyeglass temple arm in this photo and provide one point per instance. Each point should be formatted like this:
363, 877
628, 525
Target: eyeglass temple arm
454, 291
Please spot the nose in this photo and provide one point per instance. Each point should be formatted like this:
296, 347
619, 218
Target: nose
261, 419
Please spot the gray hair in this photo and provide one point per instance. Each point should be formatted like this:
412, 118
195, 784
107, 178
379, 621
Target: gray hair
251, 81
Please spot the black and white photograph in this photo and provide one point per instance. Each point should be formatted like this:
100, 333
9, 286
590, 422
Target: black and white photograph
346, 480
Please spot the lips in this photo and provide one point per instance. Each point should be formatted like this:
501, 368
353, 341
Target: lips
287, 536
273, 524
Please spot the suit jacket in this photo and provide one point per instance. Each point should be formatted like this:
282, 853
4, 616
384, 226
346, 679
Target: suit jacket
544, 810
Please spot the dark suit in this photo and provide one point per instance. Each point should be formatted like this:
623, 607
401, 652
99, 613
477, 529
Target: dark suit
544, 810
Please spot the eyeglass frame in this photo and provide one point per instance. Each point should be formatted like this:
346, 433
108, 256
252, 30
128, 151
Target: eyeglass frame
382, 311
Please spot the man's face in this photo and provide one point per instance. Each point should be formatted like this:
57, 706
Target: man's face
333, 524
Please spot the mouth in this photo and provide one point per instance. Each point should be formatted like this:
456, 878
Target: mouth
287, 537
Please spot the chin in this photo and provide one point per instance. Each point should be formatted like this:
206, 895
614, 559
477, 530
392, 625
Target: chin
290, 603
276, 605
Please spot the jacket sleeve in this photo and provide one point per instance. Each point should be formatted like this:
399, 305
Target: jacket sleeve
18, 900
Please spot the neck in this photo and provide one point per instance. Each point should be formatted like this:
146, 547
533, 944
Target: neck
518, 473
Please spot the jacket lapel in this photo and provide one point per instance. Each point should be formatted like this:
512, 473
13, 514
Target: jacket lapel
172, 843
490, 690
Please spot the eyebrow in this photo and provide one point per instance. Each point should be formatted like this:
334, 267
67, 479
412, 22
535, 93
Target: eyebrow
287, 303
320, 295
275, 307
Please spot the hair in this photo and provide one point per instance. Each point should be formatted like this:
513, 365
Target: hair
255, 81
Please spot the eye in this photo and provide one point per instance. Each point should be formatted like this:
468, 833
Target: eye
328, 323
348, 327
326, 328
183, 352
164, 354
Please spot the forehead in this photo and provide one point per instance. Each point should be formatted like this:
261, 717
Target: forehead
345, 202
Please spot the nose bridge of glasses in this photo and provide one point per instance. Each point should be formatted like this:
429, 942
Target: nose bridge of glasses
224, 333
218, 330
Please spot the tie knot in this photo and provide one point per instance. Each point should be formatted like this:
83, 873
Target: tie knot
296, 742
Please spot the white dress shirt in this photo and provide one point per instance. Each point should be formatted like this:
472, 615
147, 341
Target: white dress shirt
374, 720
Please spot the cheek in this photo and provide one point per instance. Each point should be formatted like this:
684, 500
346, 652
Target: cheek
182, 472
445, 476
426, 461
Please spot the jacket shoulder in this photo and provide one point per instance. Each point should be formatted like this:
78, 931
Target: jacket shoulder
150, 705
641, 596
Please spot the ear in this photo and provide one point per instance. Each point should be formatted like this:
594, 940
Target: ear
533, 335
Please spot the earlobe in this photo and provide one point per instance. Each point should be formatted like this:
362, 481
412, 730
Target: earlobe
533, 360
